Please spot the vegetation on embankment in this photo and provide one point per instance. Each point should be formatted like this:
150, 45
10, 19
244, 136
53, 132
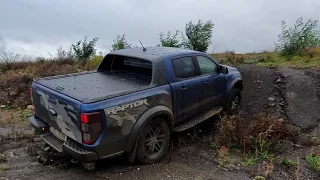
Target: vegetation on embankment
16, 77
271, 59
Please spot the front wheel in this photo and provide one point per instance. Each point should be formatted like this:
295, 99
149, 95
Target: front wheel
153, 142
233, 101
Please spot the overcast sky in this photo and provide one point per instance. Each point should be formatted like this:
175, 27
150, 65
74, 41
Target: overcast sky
39, 27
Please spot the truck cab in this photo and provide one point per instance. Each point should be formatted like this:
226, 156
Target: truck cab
132, 103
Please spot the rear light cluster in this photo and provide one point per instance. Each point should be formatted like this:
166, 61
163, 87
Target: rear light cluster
91, 127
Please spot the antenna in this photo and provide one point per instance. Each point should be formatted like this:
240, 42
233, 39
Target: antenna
143, 48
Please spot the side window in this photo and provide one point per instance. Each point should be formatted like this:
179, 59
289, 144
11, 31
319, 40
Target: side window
183, 67
206, 65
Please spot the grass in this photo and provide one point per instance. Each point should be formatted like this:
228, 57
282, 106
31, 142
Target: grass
252, 160
296, 61
287, 162
267, 156
314, 161
259, 178
269, 59
257, 137
3, 167
224, 161
95, 60
4, 107
24, 114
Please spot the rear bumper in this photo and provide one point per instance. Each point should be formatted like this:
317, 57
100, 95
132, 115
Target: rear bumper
69, 147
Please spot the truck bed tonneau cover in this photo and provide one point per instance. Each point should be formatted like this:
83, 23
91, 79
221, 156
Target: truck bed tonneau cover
92, 86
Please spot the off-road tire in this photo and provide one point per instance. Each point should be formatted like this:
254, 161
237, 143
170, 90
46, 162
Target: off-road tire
145, 145
228, 108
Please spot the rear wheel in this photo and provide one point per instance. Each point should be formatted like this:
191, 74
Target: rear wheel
153, 142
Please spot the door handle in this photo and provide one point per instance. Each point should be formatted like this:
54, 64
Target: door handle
207, 82
184, 88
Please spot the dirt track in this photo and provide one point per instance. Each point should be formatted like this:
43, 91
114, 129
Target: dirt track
293, 95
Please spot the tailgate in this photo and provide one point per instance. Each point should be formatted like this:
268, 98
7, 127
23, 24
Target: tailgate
58, 111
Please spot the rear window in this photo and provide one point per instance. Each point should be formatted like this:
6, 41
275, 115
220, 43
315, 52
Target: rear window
183, 67
121, 65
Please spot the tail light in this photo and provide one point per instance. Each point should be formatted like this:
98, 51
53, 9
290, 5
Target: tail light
91, 127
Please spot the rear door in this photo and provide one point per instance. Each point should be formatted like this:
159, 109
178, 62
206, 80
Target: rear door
186, 88
213, 82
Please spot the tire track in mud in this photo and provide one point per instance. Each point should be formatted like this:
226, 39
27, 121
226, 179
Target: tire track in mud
315, 74
301, 94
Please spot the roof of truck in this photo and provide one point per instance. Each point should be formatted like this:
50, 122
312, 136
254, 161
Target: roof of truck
153, 53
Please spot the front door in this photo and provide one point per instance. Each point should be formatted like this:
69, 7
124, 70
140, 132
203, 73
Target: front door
186, 88
213, 83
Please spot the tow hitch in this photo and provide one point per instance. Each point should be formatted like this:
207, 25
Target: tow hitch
50, 156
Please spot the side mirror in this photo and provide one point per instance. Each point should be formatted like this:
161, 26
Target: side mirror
224, 69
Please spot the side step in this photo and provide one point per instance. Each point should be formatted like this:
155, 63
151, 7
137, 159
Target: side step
198, 119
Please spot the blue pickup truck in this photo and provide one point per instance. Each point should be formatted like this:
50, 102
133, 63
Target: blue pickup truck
132, 103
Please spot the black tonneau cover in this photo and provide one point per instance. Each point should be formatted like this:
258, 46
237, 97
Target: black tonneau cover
93, 86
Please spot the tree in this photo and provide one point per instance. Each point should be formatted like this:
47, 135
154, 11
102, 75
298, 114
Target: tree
170, 40
295, 40
120, 43
198, 35
83, 50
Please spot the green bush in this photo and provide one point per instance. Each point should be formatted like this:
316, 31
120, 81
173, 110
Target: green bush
287, 162
314, 161
83, 50
170, 40
120, 43
249, 161
295, 40
198, 35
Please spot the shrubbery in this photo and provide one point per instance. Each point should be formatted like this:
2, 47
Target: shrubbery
15, 82
259, 134
197, 37
120, 43
170, 40
83, 50
300, 39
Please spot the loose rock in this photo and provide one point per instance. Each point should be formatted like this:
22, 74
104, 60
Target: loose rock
271, 99
30, 107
